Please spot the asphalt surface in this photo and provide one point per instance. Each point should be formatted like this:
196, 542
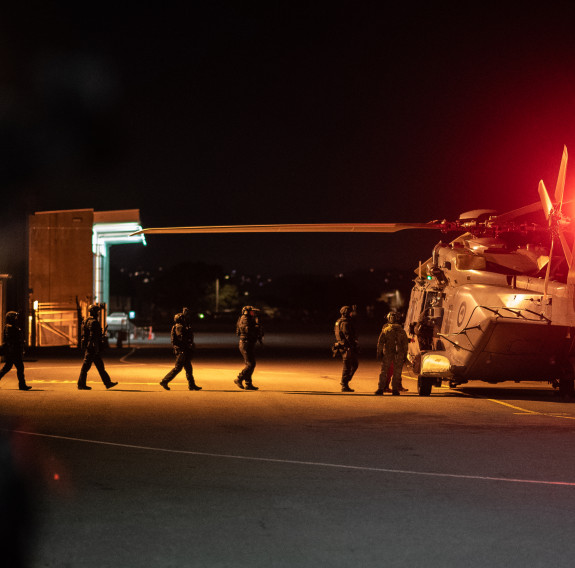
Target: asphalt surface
296, 474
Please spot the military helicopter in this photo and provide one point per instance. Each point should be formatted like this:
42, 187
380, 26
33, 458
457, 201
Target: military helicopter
494, 304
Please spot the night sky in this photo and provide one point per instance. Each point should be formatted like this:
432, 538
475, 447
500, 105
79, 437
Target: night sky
240, 112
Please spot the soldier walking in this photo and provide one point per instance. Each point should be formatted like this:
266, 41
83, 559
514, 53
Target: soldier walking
13, 343
92, 341
347, 344
392, 348
250, 331
182, 338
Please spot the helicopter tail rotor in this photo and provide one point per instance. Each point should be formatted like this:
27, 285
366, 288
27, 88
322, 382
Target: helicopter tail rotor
557, 223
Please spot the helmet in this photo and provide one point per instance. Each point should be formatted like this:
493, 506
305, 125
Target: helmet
11, 317
344, 310
178, 318
247, 309
94, 309
393, 317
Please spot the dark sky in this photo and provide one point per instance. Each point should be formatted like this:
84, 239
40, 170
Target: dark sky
242, 112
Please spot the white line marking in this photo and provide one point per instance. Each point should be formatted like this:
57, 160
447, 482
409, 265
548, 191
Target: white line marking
297, 462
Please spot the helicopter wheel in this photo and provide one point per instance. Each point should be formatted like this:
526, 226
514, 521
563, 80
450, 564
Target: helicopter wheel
424, 385
566, 387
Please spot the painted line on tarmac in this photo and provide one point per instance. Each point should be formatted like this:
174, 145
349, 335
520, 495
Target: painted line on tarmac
123, 359
297, 462
522, 411
78, 366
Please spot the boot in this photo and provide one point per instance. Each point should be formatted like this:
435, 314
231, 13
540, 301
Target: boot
251, 387
378, 392
111, 384
24, 388
164, 385
346, 388
238, 382
193, 386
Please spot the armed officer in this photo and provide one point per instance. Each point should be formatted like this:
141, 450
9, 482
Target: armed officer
424, 331
182, 338
92, 341
347, 344
392, 348
13, 342
250, 331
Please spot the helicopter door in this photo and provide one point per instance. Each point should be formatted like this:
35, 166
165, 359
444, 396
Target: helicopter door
433, 317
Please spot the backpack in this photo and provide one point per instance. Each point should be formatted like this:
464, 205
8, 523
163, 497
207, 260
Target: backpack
85, 333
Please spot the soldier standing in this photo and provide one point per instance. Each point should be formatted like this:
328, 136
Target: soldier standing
13, 342
182, 338
92, 341
424, 332
392, 348
250, 331
347, 344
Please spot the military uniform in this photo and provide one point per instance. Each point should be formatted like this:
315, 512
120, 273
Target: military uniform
13, 344
348, 345
182, 338
392, 347
249, 330
93, 343
424, 332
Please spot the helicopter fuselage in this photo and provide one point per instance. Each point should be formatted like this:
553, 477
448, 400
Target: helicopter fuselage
473, 316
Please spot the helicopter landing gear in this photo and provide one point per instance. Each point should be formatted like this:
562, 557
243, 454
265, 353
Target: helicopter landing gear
566, 388
424, 385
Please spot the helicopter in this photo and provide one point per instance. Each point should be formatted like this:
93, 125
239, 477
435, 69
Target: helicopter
496, 303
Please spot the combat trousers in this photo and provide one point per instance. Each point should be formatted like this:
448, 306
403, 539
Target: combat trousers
183, 361
12, 359
89, 358
388, 363
248, 351
350, 365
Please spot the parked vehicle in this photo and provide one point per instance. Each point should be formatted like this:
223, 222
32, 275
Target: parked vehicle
119, 321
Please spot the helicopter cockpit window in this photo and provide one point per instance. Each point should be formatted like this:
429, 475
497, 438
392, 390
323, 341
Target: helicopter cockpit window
470, 262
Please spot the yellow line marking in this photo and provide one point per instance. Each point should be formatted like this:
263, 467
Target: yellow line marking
522, 411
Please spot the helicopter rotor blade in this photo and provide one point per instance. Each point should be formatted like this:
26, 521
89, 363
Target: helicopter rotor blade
566, 250
571, 280
296, 228
531, 208
545, 199
548, 271
525, 210
560, 187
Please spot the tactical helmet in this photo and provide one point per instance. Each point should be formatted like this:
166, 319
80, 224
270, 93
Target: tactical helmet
247, 309
344, 310
93, 309
393, 317
11, 317
178, 318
